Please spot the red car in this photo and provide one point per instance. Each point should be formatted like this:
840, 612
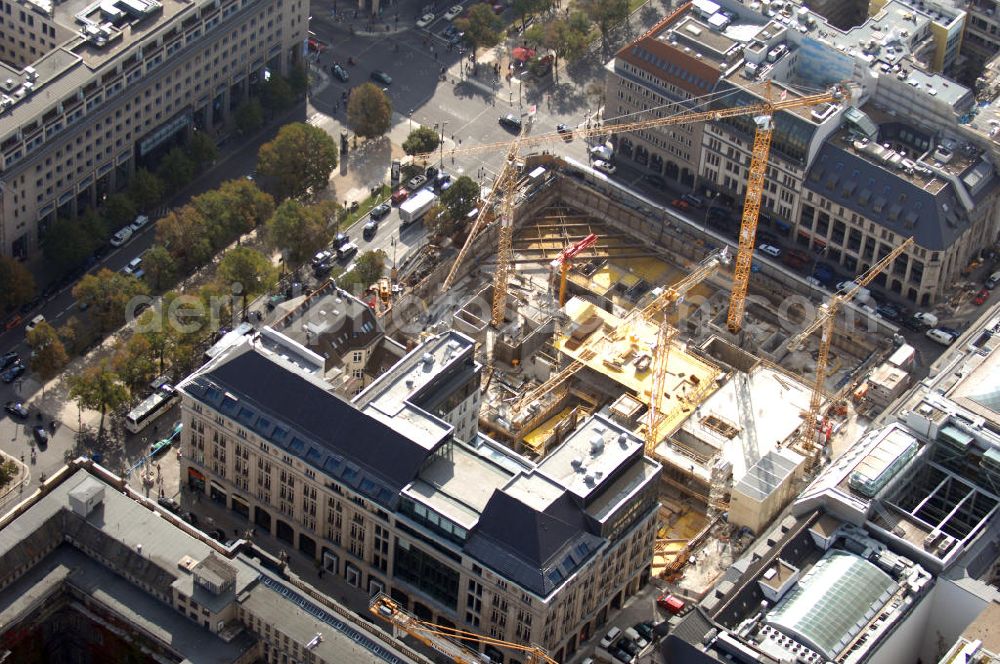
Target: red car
680, 204
316, 45
668, 602
400, 195
981, 297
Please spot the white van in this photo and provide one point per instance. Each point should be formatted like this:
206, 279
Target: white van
940, 336
602, 152
769, 250
610, 637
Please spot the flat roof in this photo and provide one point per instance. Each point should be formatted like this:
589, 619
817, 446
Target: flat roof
769, 473
590, 455
777, 575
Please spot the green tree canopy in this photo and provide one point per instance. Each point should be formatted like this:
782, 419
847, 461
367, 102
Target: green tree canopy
249, 206
607, 14
68, 242
98, 388
421, 141
369, 111
109, 295
249, 116
299, 231
176, 169
526, 8
48, 355
17, 285
481, 26
119, 210
146, 190
182, 233
368, 267
202, 150
160, 267
276, 94
251, 270
300, 158
135, 362
461, 197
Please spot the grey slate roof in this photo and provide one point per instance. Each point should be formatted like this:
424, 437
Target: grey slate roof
859, 185
305, 420
542, 550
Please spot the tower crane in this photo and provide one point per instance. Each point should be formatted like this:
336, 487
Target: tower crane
762, 112
445, 639
564, 261
809, 435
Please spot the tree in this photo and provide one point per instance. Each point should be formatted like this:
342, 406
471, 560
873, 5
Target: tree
202, 150
182, 233
299, 231
119, 210
367, 269
156, 331
300, 158
525, 8
481, 26
251, 270
369, 111
146, 190
98, 388
461, 197
48, 355
249, 116
276, 94
298, 79
421, 141
160, 267
17, 286
67, 242
176, 169
134, 362
249, 206
108, 294
607, 14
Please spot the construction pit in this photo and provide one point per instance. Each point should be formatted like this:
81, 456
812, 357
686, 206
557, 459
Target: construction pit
727, 428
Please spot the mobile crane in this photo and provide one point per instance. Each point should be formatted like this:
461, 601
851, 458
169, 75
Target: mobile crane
809, 432
446, 639
564, 261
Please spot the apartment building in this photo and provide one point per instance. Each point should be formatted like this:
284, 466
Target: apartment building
88, 92
389, 496
92, 571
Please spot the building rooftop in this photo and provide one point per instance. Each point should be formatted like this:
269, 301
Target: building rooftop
770, 471
297, 413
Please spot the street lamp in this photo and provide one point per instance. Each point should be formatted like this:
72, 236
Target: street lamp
441, 143
410, 116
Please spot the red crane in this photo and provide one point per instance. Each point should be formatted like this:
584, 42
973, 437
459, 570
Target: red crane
565, 261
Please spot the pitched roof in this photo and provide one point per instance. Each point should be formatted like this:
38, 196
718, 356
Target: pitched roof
304, 419
897, 203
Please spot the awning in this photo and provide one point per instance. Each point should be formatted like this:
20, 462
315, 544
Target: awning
195, 474
520, 53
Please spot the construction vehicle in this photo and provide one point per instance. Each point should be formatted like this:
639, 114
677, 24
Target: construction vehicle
445, 640
810, 437
564, 262
762, 113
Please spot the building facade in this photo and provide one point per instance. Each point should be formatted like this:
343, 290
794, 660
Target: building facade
86, 95
385, 494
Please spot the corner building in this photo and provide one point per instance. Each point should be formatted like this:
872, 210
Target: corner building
87, 91
385, 493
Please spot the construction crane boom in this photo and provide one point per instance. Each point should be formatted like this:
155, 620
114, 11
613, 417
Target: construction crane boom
564, 261
824, 320
445, 639
762, 112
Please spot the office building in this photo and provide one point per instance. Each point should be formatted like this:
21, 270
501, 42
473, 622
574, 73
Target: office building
392, 495
90, 91
92, 571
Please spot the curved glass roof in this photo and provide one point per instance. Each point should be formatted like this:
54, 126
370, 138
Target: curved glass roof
833, 602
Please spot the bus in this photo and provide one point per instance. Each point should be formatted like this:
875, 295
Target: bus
160, 401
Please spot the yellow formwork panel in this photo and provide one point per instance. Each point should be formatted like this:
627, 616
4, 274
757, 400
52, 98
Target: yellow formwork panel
537, 436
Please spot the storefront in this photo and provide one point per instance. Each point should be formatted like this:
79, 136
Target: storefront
196, 481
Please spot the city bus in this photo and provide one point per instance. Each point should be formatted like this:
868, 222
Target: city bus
162, 399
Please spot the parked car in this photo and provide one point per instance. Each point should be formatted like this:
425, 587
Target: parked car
13, 373
453, 12
610, 637
602, 152
341, 73
140, 222
8, 359
321, 257
399, 196
442, 182
656, 181
416, 182
346, 251
17, 409
769, 250
134, 267
380, 76
425, 20
169, 504
380, 211
121, 236
679, 204
694, 201
635, 637
888, 311
34, 322
603, 167
981, 297
668, 602
943, 337
621, 655
645, 630
41, 435
340, 240
992, 280
628, 645
510, 122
